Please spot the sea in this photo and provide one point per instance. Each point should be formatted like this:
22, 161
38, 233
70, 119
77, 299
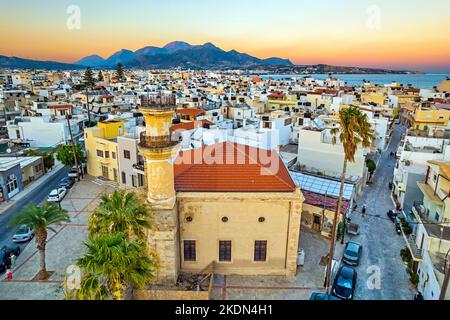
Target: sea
422, 81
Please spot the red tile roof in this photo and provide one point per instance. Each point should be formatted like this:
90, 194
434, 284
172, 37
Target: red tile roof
231, 167
190, 125
190, 112
324, 202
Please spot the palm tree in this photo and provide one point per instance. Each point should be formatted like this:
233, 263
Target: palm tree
120, 211
110, 262
354, 130
41, 219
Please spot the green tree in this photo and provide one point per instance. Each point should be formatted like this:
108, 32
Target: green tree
65, 155
354, 130
100, 76
113, 264
88, 78
48, 158
41, 219
120, 72
120, 211
371, 166
49, 161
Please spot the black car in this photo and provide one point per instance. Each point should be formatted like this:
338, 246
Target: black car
344, 283
66, 182
352, 253
5, 252
392, 215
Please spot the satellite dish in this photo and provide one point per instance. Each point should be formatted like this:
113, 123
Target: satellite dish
8, 150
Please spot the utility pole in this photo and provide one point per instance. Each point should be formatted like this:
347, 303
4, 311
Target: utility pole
73, 149
87, 105
446, 278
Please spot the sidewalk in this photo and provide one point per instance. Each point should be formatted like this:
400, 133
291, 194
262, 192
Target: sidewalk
31, 187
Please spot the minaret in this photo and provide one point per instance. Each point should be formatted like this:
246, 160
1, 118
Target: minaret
159, 151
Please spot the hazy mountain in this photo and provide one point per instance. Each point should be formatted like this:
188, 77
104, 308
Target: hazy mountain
177, 46
91, 61
151, 51
181, 54
20, 63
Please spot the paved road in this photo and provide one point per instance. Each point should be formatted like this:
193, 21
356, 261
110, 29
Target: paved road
37, 196
381, 244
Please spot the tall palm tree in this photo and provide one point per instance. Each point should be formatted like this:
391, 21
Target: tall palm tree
110, 262
354, 130
120, 211
41, 219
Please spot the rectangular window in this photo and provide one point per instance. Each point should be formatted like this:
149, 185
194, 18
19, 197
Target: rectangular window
106, 154
260, 250
189, 250
126, 154
225, 250
100, 153
140, 180
133, 180
124, 178
113, 155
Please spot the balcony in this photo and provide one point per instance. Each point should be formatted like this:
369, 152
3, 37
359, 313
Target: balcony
159, 142
416, 253
139, 168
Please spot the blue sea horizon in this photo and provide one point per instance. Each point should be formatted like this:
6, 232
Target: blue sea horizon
422, 81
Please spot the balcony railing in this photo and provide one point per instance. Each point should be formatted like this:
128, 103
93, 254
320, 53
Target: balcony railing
156, 142
139, 166
417, 254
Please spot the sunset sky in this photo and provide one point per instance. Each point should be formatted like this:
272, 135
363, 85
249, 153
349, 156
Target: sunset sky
411, 34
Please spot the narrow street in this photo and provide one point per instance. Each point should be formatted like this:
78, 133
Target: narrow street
381, 244
36, 196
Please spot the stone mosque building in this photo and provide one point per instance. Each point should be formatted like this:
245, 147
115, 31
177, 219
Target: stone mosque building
227, 204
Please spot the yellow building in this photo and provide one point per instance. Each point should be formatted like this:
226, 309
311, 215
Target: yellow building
428, 115
444, 86
222, 206
378, 98
102, 149
280, 101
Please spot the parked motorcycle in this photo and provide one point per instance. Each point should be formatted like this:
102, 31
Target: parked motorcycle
392, 215
398, 227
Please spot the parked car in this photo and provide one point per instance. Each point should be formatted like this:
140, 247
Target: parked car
345, 283
392, 215
5, 252
352, 253
24, 233
334, 268
322, 296
73, 173
56, 195
66, 182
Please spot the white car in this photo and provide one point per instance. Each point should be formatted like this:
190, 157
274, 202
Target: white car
23, 234
56, 195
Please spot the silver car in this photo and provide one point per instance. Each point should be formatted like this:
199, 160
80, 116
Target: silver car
23, 234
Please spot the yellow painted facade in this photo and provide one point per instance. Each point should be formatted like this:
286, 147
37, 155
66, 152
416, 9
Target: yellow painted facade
279, 104
102, 149
280, 213
430, 117
444, 86
378, 98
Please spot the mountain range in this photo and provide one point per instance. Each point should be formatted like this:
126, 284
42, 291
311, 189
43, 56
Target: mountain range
181, 54
184, 55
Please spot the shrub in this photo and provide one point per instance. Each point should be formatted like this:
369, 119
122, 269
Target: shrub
340, 231
414, 279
